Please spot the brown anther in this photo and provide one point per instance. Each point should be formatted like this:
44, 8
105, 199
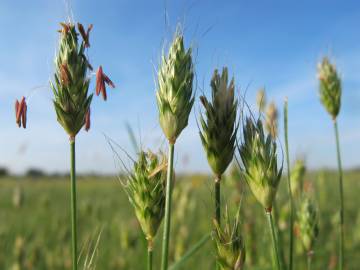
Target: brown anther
65, 28
64, 74
87, 120
20, 112
85, 35
101, 80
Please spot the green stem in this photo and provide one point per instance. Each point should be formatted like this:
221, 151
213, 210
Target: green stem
341, 255
279, 235
291, 229
150, 255
273, 237
217, 199
309, 261
166, 236
73, 203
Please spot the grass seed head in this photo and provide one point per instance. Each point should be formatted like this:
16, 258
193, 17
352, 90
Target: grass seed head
175, 89
71, 84
259, 158
261, 99
330, 87
219, 127
271, 123
145, 187
229, 243
297, 177
308, 223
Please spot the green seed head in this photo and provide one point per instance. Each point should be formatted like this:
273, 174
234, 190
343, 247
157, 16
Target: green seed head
71, 84
308, 223
230, 247
219, 126
261, 99
330, 87
259, 158
175, 89
297, 177
145, 187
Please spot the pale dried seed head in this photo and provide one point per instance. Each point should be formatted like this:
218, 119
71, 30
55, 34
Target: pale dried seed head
271, 123
261, 99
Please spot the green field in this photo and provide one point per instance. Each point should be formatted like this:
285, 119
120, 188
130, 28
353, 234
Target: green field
35, 223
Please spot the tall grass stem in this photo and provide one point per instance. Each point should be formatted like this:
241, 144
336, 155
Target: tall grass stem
273, 237
292, 210
73, 203
341, 252
217, 199
309, 261
169, 183
150, 257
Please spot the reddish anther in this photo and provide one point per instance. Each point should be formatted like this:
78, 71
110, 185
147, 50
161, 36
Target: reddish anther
85, 35
87, 120
20, 112
101, 80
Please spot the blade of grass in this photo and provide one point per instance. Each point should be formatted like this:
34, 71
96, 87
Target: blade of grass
190, 252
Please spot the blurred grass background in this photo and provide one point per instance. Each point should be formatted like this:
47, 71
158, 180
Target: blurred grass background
35, 228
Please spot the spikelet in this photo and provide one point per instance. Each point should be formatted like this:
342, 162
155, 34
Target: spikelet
261, 99
219, 127
259, 158
145, 187
175, 89
71, 84
229, 243
308, 223
271, 123
330, 87
297, 177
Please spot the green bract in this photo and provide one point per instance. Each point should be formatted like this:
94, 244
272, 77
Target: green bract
259, 158
145, 187
330, 87
219, 128
175, 89
230, 247
71, 83
308, 223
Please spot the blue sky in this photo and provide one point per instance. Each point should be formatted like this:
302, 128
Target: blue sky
275, 44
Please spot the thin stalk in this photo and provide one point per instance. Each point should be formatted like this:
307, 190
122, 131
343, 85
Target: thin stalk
341, 255
279, 236
73, 203
273, 237
150, 255
291, 229
166, 236
309, 261
217, 199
